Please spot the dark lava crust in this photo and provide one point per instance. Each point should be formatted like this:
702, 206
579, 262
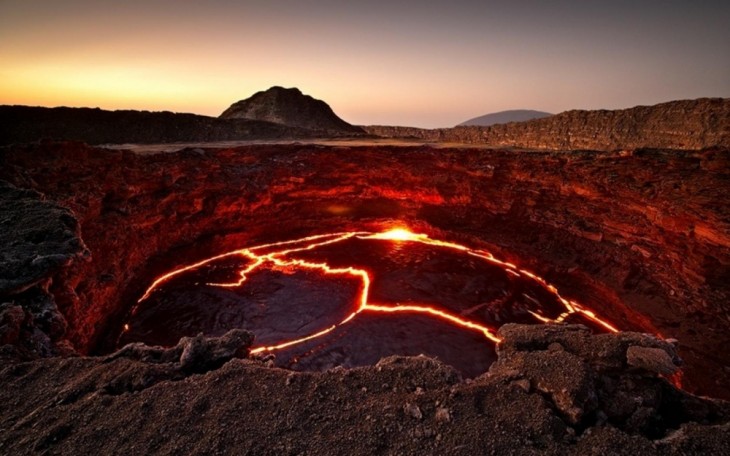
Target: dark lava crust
641, 236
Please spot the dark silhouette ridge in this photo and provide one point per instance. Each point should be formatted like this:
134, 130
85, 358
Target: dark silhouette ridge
277, 113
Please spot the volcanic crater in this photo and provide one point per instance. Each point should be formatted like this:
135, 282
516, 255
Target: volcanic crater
337, 255
602, 228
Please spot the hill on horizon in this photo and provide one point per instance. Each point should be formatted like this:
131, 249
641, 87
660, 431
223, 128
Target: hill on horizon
502, 117
289, 107
276, 113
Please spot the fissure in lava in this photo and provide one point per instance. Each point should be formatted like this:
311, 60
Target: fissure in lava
350, 298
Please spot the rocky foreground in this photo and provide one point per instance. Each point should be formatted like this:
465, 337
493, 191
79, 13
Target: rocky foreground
554, 390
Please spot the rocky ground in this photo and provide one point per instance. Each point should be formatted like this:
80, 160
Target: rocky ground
554, 390
641, 236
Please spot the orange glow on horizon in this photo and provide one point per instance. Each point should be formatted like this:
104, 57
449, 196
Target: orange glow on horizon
200, 57
280, 259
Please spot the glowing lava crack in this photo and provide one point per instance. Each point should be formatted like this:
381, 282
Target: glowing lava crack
417, 276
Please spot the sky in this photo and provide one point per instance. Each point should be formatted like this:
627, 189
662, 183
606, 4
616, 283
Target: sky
427, 63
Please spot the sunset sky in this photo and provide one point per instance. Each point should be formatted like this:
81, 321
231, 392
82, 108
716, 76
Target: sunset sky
418, 63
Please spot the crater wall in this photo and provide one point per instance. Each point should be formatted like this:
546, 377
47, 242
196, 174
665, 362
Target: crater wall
683, 125
642, 235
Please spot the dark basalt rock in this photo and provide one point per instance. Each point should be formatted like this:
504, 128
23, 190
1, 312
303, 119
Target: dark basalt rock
37, 239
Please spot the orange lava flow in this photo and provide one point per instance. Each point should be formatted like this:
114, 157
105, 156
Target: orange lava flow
278, 258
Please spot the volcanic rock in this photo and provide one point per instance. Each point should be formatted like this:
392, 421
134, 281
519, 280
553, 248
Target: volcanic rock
584, 373
530, 208
606, 353
194, 354
144, 400
37, 239
651, 359
554, 389
413, 411
686, 125
12, 319
289, 107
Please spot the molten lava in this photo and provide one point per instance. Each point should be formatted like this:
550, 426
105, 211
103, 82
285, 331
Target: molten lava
343, 257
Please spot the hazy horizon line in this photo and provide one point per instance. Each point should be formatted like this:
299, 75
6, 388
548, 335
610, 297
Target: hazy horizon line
99, 107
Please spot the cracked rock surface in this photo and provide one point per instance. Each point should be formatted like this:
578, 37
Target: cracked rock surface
37, 238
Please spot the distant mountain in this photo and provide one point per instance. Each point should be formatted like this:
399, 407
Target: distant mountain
291, 108
503, 117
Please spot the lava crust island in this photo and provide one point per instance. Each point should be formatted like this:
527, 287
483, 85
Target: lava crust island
304, 265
